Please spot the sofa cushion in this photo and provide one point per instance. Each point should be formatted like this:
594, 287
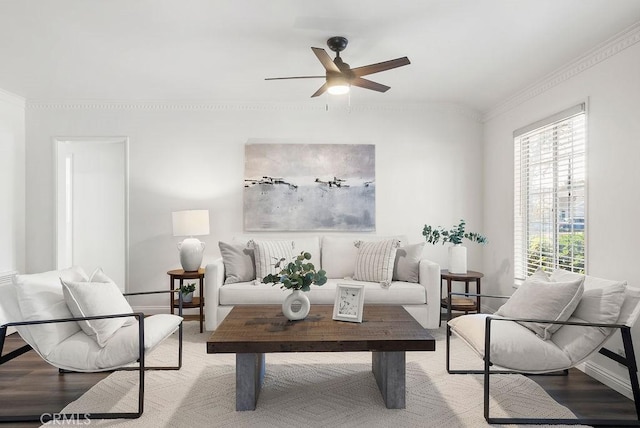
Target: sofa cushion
310, 244
239, 262
338, 256
40, 298
339, 253
249, 293
542, 299
81, 353
375, 260
270, 256
531, 353
407, 263
98, 296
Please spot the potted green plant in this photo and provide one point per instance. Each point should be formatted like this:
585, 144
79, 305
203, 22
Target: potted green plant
455, 235
297, 276
187, 292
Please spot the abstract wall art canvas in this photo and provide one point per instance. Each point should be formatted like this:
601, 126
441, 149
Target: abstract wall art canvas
298, 187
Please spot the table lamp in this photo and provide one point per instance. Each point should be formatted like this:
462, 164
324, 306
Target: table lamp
191, 223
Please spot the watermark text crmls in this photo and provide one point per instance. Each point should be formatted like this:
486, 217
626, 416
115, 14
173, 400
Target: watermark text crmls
66, 418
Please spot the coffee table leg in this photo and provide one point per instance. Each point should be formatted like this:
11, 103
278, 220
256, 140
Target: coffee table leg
389, 371
249, 378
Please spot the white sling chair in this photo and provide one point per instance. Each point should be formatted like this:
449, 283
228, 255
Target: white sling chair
82, 324
588, 311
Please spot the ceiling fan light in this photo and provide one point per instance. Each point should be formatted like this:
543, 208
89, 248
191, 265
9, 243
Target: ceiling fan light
338, 89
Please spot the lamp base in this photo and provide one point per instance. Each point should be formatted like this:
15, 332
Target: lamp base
191, 250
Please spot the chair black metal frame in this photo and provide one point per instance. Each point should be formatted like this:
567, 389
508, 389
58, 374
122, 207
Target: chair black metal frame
141, 368
628, 360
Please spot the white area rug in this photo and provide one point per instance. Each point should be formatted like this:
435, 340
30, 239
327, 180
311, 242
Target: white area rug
312, 390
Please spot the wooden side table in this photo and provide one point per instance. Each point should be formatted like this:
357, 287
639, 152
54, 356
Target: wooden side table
463, 304
198, 302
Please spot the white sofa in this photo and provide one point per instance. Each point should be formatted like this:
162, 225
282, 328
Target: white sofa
337, 256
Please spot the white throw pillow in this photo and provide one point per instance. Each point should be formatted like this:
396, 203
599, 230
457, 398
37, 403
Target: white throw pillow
375, 261
40, 298
98, 296
338, 256
407, 264
269, 254
239, 263
540, 299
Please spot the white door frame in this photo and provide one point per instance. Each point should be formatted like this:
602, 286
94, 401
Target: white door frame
57, 142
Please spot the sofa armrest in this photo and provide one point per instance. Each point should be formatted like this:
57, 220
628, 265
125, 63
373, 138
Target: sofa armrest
430, 280
214, 279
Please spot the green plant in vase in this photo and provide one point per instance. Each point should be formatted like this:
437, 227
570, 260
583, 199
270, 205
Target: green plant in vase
187, 292
455, 235
297, 276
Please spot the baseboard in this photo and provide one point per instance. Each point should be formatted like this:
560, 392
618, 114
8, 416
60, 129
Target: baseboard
610, 379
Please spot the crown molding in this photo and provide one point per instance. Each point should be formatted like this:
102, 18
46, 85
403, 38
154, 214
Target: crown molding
601, 52
168, 105
12, 98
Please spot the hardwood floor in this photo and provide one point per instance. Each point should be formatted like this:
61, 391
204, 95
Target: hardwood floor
28, 385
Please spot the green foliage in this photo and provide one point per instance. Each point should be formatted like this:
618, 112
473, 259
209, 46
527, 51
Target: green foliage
188, 288
570, 253
455, 235
297, 274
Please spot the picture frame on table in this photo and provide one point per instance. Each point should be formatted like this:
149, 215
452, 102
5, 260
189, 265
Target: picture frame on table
349, 303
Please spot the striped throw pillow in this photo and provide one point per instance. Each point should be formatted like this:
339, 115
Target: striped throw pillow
268, 254
375, 261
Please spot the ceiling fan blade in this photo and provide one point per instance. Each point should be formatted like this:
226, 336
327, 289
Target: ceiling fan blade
325, 59
295, 77
320, 91
368, 84
381, 66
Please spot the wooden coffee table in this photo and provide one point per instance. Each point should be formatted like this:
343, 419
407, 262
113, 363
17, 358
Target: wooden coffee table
388, 331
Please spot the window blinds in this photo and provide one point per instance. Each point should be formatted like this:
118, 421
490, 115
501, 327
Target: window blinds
549, 193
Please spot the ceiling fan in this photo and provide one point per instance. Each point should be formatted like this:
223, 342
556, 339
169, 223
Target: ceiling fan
339, 76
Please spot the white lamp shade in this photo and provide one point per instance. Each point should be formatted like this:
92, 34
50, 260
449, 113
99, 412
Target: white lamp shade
190, 222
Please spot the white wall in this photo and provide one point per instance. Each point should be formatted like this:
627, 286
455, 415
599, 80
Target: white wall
428, 169
12, 189
612, 88
12, 147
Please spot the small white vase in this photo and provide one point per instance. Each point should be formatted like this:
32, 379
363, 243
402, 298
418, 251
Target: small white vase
458, 259
291, 302
187, 298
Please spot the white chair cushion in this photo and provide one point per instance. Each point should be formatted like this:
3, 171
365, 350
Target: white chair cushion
81, 353
98, 296
541, 299
269, 253
9, 304
578, 342
375, 260
513, 346
40, 298
630, 309
601, 302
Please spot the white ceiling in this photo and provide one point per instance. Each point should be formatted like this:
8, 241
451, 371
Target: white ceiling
472, 52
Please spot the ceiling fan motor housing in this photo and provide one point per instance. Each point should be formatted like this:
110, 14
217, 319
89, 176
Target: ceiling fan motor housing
337, 43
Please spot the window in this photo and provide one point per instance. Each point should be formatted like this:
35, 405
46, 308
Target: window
549, 194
